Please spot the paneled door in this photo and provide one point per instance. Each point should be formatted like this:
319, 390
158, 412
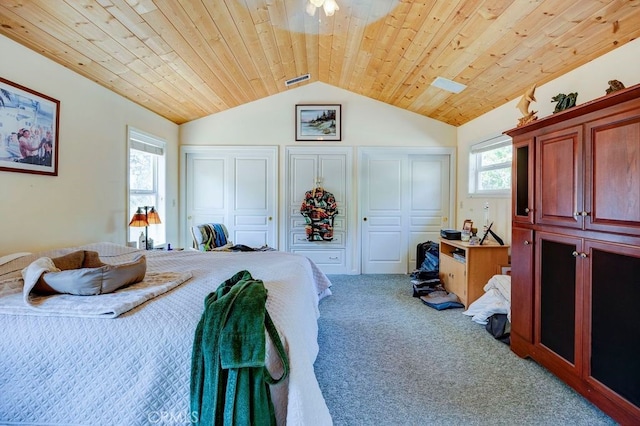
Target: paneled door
331, 168
405, 198
235, 186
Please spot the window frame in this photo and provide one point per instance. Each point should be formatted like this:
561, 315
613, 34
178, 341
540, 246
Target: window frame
148, 143
476, 168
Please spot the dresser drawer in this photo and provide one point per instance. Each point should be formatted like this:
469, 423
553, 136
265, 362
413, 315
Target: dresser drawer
299, 239
324, 257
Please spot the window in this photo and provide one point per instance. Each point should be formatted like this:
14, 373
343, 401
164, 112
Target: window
490, 167
146, 181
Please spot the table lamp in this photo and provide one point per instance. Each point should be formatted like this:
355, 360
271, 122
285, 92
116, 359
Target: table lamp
145, 216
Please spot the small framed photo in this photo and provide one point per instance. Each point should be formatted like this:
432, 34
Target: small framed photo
28, 130
318, 122
468, 224
504, 270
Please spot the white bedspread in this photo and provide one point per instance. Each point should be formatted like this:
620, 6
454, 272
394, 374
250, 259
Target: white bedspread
135, 369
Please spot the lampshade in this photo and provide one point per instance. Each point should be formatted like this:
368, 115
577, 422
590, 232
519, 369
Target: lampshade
153, 217
139, 219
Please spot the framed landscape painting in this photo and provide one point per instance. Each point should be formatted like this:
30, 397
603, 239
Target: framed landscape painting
319, 122
28, 130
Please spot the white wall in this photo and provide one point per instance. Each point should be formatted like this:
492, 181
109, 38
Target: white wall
87, 201
590, 81
271, 121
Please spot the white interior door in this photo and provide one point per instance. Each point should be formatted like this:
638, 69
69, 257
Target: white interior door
405, 199
253, 204
206, 183
234, 186
430, 195
383, 240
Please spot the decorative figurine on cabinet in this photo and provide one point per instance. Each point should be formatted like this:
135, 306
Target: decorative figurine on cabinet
523, 106
614, 86
564, 101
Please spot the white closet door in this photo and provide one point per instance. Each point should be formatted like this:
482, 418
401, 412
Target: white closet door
430, 198
207, 180
253, 202
384, 244
405, 199
235, 186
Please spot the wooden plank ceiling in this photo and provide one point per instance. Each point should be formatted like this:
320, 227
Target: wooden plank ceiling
186, 59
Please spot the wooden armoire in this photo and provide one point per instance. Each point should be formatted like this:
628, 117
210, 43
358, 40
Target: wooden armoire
575, 252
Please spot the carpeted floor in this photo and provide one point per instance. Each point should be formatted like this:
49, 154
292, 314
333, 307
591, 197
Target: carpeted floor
387, 359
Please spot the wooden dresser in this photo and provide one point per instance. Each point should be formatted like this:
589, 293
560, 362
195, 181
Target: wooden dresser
575, 257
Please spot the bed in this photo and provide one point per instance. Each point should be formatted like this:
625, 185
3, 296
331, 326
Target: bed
133, 367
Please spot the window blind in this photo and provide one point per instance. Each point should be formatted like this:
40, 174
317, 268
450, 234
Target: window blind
144, 142
489, 144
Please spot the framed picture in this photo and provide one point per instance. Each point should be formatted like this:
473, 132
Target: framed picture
319, 122
504, 270
468, 224
28, 130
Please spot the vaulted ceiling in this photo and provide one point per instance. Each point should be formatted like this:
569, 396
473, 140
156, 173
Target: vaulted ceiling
186, 59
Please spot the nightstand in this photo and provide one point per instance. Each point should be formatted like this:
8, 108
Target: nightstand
465, 269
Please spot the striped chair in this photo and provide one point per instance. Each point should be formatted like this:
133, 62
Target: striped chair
210, 236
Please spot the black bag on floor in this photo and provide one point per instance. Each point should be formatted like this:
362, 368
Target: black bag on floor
428, 261
498, 326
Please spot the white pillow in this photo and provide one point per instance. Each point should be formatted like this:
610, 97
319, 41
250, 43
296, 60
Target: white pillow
8, 258
91, 281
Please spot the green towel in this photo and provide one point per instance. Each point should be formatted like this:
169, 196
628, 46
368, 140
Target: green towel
229, 380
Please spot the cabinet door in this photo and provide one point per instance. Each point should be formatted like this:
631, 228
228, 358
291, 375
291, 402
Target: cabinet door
612, 147
306, 170
559, 178
521, 290
453, 276
308, 167
558, 288
612, 345
522, 180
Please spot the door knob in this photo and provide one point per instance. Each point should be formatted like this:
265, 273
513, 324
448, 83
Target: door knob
365, 219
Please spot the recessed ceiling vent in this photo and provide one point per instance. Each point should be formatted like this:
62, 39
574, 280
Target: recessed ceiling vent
449, 85
295, 80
